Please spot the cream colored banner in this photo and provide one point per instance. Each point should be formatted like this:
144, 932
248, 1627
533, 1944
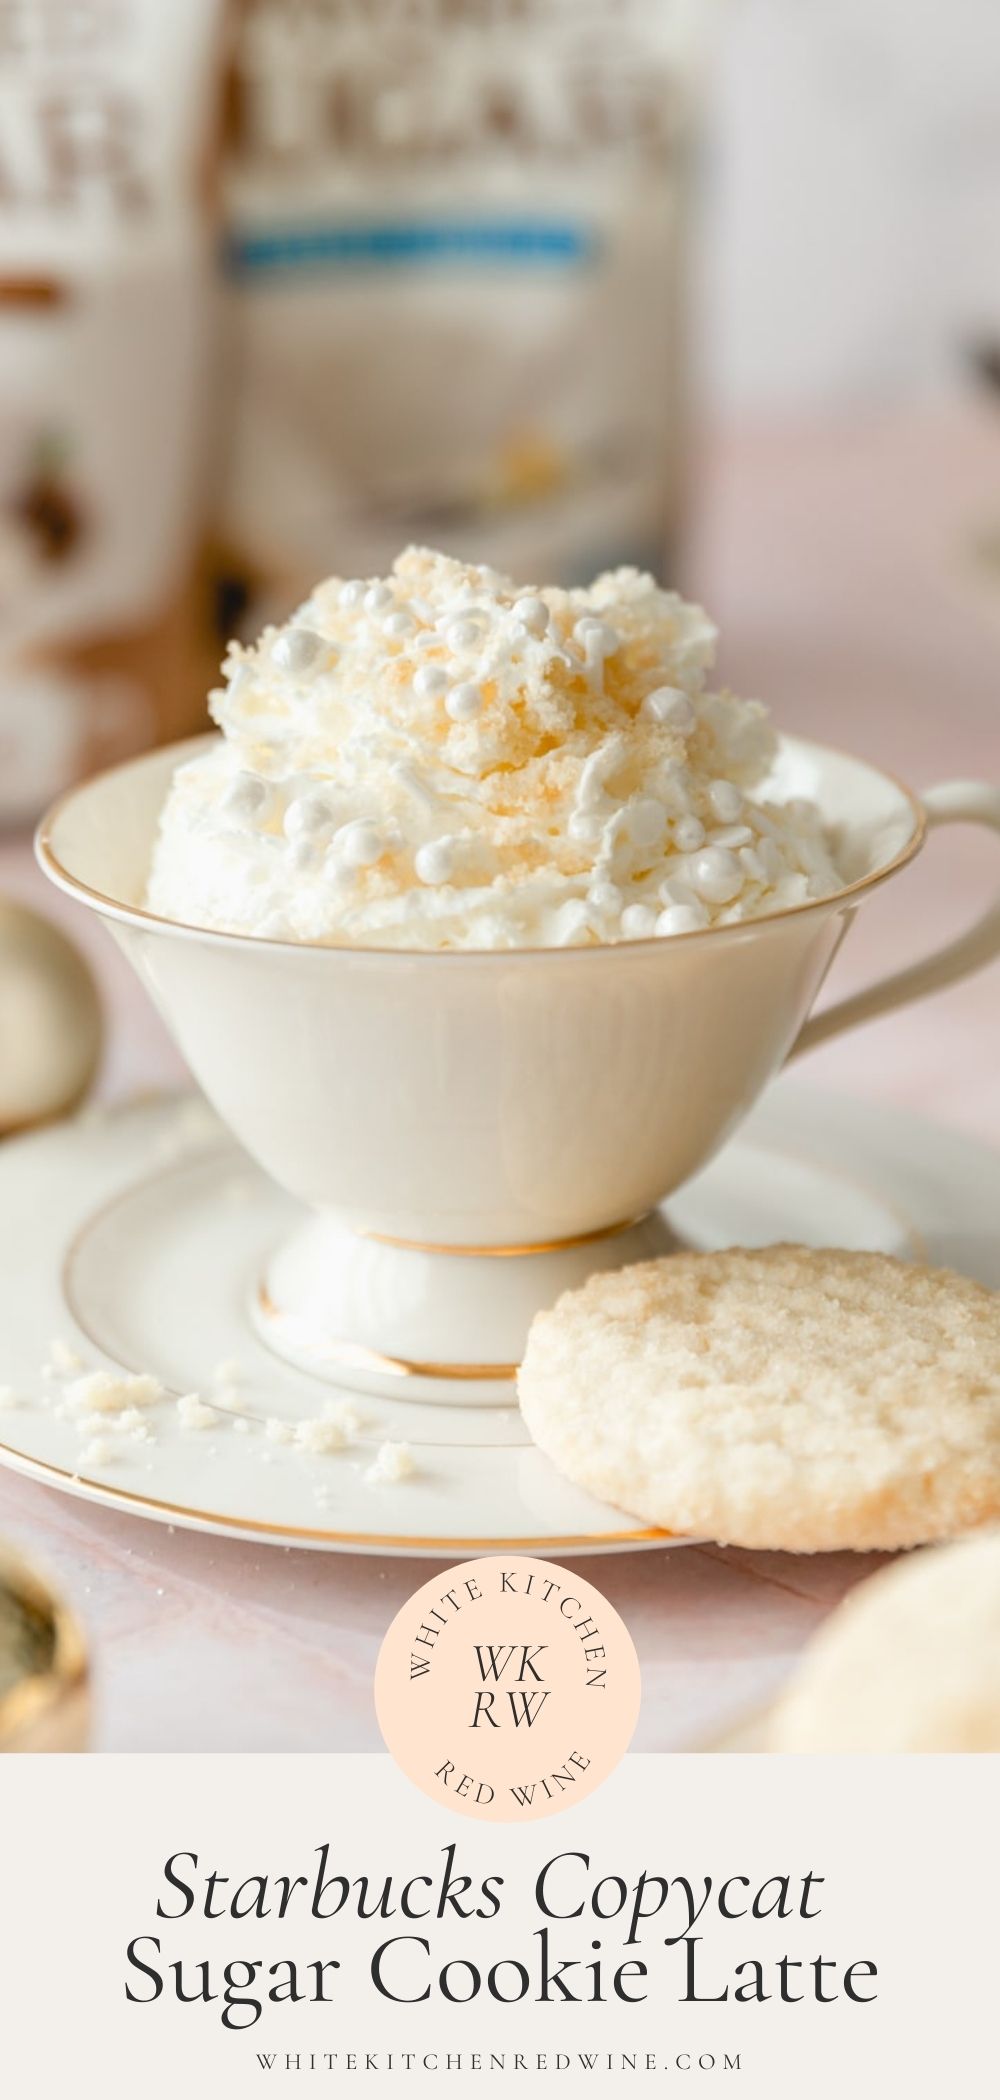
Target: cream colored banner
869, 1969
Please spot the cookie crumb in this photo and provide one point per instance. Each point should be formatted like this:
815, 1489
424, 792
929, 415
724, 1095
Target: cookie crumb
194, 1414
320, 1436
392, 1463
112, 1392
101, 1452
346, 1416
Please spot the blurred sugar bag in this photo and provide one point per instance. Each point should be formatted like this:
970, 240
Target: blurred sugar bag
455, 242
107, 241
50, 1020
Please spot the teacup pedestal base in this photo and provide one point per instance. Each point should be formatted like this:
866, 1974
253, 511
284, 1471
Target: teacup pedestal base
420, 1322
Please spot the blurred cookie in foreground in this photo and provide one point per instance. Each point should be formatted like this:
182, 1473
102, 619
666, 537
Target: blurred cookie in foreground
50, 1021
910, 1661
781, 1397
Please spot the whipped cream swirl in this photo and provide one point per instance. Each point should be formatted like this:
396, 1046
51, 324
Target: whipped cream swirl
443, 759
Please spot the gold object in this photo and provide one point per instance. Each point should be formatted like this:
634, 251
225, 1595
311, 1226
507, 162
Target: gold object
506, 1253
354, 1355
257, 1527
138, 915
43, 1666
50, 1021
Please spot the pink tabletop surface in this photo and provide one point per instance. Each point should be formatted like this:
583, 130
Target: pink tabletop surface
842, 564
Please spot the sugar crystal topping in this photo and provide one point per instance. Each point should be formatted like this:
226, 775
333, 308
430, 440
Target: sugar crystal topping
443, 758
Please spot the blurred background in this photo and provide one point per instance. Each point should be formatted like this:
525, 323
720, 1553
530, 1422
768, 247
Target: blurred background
286, 283
709, 285
853, 234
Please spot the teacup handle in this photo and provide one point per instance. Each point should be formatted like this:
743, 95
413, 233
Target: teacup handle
955, 802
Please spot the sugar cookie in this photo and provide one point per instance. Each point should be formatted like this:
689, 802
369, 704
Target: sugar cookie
910, 1661
781, 1397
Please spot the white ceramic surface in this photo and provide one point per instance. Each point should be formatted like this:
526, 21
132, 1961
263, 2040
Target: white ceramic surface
417, 1318
493, 1101
132, 1238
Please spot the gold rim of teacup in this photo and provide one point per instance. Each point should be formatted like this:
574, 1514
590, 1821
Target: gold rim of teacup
504, 1251
139, 915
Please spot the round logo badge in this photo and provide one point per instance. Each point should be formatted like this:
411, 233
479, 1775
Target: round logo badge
507, 1688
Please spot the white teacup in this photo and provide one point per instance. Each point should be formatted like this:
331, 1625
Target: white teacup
531, 1107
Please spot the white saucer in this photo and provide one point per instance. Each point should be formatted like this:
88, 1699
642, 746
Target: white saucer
134, 1236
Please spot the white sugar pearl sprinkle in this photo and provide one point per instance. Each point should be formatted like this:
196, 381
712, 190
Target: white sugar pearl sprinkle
430, 682
533, 614
245, 795
302, 854
732, 835
689, 834
378, 597
399, 623
572, 920
726, 801
464, 703
298, 649
681, 918
717, 875
463, 634
605, 897
669, 708
359, 845
638, 922
676, 891
597, 637
435, 862
307, 815
351, 595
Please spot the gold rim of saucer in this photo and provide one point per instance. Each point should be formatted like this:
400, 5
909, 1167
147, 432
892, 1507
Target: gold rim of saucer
137, 914
31, 1703
403, 1542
